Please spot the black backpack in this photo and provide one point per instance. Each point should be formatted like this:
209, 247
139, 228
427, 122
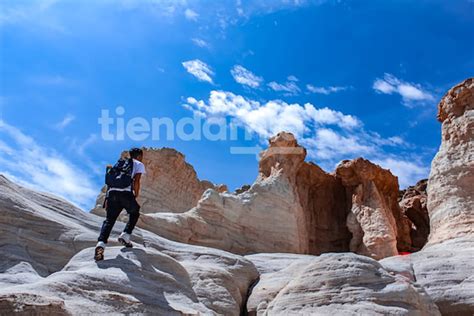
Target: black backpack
120, 175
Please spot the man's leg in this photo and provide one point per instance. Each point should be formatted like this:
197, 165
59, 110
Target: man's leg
114, 207
133, 210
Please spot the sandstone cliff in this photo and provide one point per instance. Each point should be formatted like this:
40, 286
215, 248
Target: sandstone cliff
295, 206
451, 181
444, 266
379, 228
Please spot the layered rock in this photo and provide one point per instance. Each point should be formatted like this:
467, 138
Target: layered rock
342, 284
295, 206
413, 202
158, 276
451, 181
170, 184
444, 266
266, 217
444, 270
321, 196
379, 228
47, 266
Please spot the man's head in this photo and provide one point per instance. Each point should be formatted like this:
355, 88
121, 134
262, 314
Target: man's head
136, 153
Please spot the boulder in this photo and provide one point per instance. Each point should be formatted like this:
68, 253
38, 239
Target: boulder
342, 284
444, 270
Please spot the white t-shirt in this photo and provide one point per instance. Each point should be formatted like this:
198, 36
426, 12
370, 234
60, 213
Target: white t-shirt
138, 168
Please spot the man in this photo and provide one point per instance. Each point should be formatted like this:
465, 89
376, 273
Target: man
122, 198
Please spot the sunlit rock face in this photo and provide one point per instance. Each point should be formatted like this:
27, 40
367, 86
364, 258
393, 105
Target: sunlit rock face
335, 283
451, 181
295, 206
379, 228
444, 266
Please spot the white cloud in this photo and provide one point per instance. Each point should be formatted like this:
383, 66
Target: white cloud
408, 171
324, 90
271, 117
328, 143
289, 88
191, 15
200, 42
44, 169
199, 69
329, 135
80, 147
68, 119
331, 117
245, 76
411, 93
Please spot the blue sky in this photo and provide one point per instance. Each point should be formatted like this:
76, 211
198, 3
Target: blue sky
349, 78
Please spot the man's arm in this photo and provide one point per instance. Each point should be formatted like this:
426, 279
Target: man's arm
136, 184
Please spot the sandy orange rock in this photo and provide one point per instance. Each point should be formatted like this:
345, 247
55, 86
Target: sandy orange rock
413, 202
451, 181
379, 228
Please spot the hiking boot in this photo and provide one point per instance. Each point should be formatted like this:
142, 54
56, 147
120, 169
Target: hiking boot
99, 251
124, 239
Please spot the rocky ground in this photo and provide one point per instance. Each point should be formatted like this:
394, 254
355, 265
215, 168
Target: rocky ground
297, 241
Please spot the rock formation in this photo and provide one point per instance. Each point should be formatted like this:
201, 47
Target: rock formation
47, 266
320, 195
413, 202
444, 270
177, 189
341, 284
295, 206
378, 227
451, 181
444, 266
46, 244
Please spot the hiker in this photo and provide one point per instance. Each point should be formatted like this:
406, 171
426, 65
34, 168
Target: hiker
123, 188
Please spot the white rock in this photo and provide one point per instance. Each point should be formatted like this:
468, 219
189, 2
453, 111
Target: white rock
333, 284
41, 233
445, 272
